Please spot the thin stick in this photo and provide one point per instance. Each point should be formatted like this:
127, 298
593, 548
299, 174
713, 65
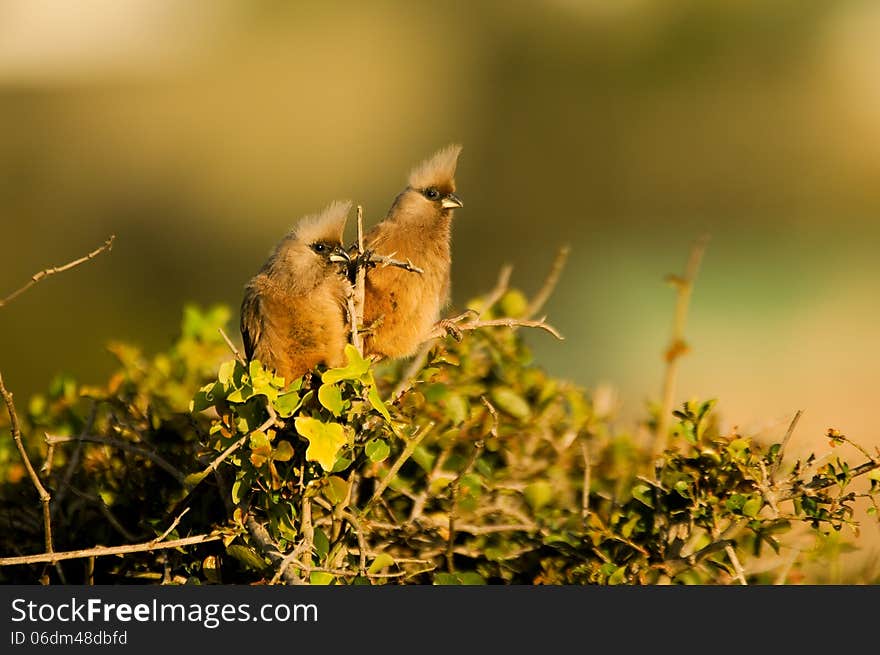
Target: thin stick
389, 261
791, 426
677, 346
550, 282
232, 347
42, 275
111, 550
439, 330
731, 553
264, 543
500, 288
408, 450
453, 497
122, 445
585, 494
172, 526
45, 497
357, 303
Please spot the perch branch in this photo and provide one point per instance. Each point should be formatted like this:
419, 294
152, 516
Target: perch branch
108, 550
42, 275
677, 345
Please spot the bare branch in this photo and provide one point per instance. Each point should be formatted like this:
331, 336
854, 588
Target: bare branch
550, 282
42, 275
232, 347
157, 459
791, 426
45, 497
440, 330
109, 550
677, 345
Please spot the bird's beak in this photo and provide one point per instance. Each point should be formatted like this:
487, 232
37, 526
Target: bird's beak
451, 201
340, 256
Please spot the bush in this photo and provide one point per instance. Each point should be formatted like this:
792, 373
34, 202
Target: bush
470, 466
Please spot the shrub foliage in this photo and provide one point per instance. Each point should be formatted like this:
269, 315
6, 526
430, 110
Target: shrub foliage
475, 467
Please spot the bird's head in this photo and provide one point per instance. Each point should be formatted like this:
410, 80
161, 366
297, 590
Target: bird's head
313, 248
431, 189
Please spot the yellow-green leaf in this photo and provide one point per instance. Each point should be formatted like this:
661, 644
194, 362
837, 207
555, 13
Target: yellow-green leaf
354, 368
325, 440
330, 396
382, 560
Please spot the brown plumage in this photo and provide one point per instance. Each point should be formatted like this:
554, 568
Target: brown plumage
293, 312
401, 306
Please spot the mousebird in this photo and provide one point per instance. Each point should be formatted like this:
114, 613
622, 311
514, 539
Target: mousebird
401, 307
293, 313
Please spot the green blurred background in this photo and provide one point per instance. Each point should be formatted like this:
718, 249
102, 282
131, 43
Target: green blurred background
199, 131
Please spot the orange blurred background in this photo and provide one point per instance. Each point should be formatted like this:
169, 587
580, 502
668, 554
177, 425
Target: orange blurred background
199, 131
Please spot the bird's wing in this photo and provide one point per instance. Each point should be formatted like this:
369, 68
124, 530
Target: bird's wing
251, 323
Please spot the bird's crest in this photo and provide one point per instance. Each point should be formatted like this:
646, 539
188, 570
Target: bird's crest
325, 226
438, 170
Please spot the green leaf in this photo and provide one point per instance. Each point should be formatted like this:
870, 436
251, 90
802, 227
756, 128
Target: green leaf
224, 374
376, 401
330, 396
509, 401
377, 449
286, 404
336, 489
642, 493
246, 556
325, 440
321, 543
456, 408
752, 506
382, 561
513, 303
320, 578
538, 494
354, 368
283, 451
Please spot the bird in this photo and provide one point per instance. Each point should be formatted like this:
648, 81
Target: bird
401, 307
293, 314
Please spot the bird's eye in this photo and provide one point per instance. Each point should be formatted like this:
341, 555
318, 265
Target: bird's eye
319, 247
431, 193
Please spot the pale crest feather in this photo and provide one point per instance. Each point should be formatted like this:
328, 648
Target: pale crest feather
327, 225
437, 170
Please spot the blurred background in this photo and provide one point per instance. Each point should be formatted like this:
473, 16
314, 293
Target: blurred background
198, 131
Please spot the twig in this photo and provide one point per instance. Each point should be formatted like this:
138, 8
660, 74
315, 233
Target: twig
731, 553
266, 546
172, 526
677, 345
500, 288
386, 261
108, 550
791, 426
499, 322
42, 275
585, 494
232, 347
408, 450
45, 497
108, 514
453, 496
358, 293
160, 461
550, 282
